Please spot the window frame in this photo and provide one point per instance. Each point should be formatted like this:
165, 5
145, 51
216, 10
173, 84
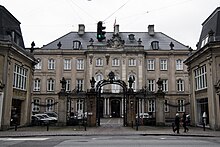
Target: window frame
51, 64
151, 64
163, 64
132, 62
50, 85
99, 62
67, 64
80, 64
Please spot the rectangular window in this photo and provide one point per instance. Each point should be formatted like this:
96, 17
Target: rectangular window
50, 105
163, 64
181, 106
20, 77
131, 62
201, 78
99, 62
51, 64
150, 64
151, 105
79, 107
179, 64
68, 86
166, 107
36, 85
50, 85
151, 85
165, 85
67, 64
79, 84
115, 62
180, 85
80, 64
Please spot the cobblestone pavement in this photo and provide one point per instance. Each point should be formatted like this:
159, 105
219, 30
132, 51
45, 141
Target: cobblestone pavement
111, 126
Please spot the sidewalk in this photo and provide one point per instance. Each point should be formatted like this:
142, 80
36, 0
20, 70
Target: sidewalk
104, 131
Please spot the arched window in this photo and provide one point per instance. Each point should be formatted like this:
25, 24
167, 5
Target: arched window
180, 85
50, 104
76, 44
155, 45
50, 84
134, 85
36, 85
115, 87
36, 105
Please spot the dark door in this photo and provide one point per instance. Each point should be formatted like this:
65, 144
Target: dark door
115, 108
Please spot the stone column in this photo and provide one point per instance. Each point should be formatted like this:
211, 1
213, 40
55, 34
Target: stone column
160, 117
62, 109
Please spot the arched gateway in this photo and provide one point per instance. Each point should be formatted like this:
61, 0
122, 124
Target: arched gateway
89, 106
115, 104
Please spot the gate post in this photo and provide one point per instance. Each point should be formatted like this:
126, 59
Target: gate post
131, 108
91, 104
62, 115
160, 118
91, 108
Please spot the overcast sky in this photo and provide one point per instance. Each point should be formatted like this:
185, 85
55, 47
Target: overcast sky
43, 21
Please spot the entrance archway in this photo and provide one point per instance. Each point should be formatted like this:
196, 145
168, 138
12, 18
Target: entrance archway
99, 86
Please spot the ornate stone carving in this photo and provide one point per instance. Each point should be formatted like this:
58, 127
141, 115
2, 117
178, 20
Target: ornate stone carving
115, 42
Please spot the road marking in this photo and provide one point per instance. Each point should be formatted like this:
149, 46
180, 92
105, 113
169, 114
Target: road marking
23, 139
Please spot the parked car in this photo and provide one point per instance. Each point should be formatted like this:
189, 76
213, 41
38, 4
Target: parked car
38, 120
51, 120
51, 114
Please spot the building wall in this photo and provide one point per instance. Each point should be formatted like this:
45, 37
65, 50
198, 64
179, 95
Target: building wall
123, 70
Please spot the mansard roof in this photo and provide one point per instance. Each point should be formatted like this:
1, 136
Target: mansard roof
210, 27
67, 40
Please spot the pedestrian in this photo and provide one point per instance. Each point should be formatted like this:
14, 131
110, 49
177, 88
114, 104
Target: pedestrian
176, 126
185, 122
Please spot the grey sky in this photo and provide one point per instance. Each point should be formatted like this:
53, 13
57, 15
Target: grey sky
43, 21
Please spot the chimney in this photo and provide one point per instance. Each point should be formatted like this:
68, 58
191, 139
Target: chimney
151, 30
81, 30
116, 29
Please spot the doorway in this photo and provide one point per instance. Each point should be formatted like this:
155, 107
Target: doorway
115, 108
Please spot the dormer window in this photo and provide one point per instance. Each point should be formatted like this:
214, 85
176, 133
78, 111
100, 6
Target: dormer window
131, 37
76, 44
155, 45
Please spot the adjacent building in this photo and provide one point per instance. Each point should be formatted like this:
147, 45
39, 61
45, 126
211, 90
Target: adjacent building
204, 77
16, 73
144, 56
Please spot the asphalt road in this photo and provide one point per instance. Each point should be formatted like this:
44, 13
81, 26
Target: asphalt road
110, 141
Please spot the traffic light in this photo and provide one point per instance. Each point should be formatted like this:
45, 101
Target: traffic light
100, 32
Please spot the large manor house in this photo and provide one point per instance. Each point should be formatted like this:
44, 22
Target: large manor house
190, 78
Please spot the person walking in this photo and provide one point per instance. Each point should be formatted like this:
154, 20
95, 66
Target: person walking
185, 122
176, 126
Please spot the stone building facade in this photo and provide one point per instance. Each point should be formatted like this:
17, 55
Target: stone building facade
16, 73
204, 69
144, 56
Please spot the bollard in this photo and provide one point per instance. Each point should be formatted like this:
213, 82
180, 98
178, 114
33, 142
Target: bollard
132, 124
47, 126
16, 127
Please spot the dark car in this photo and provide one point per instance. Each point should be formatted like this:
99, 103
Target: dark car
37, 120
